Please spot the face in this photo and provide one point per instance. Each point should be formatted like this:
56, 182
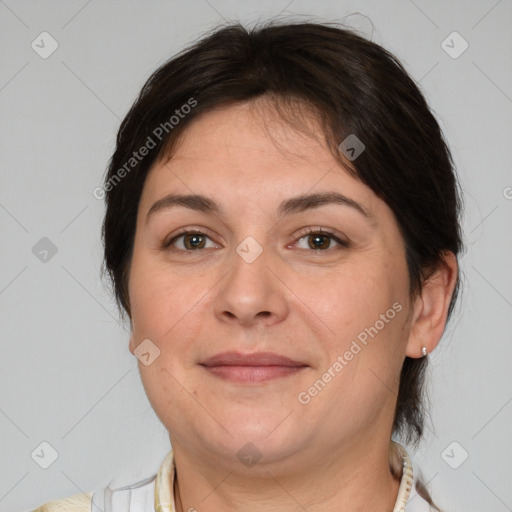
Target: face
228, 286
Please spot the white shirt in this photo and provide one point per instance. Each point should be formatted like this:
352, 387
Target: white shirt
156, 493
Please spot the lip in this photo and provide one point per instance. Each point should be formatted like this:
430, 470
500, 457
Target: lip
251, 368
254, 359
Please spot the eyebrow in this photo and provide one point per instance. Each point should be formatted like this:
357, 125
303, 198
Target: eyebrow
296, 204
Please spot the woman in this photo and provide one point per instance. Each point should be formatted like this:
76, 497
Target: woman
282, 229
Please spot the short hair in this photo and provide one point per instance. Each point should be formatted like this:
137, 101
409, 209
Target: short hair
355, 87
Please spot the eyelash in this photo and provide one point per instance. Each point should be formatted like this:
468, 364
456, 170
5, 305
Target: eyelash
309, 231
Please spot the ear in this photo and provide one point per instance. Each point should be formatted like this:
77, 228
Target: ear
431, 307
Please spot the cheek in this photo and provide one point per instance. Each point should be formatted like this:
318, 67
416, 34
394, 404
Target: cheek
351, 298
161, 298
363, 305
171, 310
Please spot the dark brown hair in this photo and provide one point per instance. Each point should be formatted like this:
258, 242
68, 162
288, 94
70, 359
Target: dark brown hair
355, 87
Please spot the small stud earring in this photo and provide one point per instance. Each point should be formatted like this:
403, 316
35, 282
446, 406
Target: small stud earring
424, 351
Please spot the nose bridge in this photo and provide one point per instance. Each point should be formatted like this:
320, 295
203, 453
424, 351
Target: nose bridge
249, 275
250, 291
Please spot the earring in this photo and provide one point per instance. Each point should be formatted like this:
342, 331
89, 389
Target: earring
424, 351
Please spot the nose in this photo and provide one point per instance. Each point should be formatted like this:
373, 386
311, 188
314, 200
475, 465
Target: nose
253, 292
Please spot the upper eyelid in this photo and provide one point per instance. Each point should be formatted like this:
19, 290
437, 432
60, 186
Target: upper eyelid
339, 239
187, 231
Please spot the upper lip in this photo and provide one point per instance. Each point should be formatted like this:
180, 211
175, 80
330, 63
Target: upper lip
255, 359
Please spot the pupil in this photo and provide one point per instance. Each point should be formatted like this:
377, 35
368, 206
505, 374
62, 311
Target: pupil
318, 238
195, 241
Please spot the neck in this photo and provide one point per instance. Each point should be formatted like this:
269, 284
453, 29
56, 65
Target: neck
357, 480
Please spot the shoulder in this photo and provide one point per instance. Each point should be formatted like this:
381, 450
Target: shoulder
127, 493
75, 503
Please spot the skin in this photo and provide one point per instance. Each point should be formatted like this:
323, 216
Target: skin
306, 304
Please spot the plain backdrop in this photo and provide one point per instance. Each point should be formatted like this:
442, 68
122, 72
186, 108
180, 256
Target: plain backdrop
66, 375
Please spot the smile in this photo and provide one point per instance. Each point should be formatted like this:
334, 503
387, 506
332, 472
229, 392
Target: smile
251, 368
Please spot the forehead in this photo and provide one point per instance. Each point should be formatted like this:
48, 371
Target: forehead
244, 131
249, 146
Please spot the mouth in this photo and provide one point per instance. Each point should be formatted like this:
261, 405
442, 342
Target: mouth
251, 368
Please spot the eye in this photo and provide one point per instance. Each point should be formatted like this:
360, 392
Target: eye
316, 238
192, 241
319, 239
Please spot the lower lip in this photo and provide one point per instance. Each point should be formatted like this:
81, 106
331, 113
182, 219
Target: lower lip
256, 374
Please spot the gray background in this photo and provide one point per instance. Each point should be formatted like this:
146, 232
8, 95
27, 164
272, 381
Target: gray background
66, 375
